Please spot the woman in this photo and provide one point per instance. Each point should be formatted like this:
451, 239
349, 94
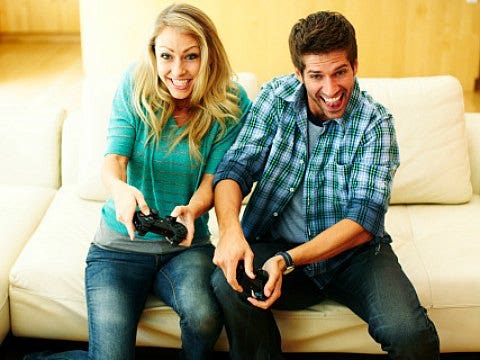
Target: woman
174, 115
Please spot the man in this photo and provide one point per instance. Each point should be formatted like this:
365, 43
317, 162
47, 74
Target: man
323, 155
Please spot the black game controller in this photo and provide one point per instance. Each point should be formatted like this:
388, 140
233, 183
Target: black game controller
252, 287
173, 231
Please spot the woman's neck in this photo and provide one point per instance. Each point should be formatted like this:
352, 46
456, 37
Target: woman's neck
181, 115
182, 104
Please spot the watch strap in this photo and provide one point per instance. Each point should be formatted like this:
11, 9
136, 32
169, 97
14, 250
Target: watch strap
288, 261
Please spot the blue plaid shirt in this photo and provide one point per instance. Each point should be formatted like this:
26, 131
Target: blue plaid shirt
349, 174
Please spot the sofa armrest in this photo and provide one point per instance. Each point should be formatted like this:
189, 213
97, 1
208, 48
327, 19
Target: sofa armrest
472, 121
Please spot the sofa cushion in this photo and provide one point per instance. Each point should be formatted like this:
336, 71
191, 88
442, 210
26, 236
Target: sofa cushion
50, 269
430, 126
438, 247
445, 239
30, 143
48, 291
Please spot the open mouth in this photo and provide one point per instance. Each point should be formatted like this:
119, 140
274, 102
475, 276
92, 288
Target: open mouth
334, 103
180, 84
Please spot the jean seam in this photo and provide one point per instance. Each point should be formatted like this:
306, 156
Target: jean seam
174, 296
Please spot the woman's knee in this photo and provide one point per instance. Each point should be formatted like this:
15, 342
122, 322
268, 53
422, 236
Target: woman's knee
198, 307
219, 282
203, 316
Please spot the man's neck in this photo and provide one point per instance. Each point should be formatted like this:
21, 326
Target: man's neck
312, 118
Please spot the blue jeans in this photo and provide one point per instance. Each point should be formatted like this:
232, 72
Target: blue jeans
372, 284
117, 286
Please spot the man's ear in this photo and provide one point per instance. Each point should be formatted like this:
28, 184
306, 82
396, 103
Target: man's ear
299, 75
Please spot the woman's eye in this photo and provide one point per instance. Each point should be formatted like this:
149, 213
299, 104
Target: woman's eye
192, 56
165, 56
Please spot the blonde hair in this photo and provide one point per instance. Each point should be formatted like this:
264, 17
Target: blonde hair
214, 96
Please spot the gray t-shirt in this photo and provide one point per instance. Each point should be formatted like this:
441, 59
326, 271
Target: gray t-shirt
109, 239
291, 225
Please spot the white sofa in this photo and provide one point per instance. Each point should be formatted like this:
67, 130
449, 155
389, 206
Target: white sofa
30, 150
433, 220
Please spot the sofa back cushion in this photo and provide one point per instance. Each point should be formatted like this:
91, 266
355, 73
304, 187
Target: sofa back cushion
97, 99
31, 140
430, 125
429, 120
472, 122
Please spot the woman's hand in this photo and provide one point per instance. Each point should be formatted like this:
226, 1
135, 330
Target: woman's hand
200, 202
186, 217
127, 198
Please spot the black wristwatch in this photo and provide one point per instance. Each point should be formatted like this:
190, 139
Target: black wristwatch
288, 260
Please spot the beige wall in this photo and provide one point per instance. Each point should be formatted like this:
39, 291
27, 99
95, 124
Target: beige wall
396, 37
21, 17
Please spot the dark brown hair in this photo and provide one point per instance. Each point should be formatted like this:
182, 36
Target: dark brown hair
320, 33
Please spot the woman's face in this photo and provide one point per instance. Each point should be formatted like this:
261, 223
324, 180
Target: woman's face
178, 61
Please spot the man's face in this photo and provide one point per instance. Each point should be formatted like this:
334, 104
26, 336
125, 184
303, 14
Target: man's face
329, 79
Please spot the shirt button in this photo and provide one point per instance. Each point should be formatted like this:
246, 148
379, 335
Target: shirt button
275, 214
292, 189
301, 161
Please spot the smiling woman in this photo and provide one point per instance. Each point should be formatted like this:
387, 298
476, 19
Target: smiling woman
178, 63
174, 115
191, 71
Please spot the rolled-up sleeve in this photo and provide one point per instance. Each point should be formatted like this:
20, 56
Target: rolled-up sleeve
121, 127
372, 176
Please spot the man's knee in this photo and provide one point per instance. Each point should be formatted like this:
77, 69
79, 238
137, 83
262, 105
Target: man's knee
411, 339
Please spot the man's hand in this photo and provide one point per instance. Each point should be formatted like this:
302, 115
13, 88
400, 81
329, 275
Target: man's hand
273, 288
232, 248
